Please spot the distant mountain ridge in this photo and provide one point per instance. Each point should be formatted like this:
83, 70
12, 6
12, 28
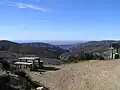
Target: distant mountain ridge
66, 47
46, 50
94, 45
50, 42
101, 48
41, 49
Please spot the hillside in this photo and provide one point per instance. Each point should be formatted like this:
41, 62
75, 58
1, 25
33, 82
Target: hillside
101, 48
10, 49
89, 75
66, 47
70, 46
43, 50
94, 46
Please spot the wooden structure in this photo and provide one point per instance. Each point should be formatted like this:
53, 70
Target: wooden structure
114, 47
29, 62
111, 53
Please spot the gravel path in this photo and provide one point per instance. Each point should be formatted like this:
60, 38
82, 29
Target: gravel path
95, 75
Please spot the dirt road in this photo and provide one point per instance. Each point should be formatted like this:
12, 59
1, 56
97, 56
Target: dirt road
93, 75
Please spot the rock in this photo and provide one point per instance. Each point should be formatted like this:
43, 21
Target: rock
40, 88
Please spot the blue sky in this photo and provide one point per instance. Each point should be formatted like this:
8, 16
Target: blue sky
59, 19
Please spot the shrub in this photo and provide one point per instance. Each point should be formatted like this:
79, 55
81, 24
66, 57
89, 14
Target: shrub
5, 64
80, 56
20, 73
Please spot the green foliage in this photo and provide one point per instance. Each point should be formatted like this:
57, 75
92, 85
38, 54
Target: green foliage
117, 56
80, 56
5, 64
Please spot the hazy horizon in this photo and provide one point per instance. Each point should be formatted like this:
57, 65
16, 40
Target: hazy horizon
50, 41
59, 42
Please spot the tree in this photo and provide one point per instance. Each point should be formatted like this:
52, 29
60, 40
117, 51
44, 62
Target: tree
116, 46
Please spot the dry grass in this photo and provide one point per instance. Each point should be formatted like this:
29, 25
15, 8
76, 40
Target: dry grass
93, 75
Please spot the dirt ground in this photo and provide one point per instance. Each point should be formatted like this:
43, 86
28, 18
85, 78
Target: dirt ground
92, 75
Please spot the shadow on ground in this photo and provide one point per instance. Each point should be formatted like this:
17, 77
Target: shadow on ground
38, 70
45, 69
50, 68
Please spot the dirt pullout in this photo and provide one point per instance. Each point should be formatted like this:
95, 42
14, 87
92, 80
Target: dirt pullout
95, 75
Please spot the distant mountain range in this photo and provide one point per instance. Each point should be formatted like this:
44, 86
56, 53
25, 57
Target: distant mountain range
51, 42
66, 45
44, 50
94, 46
99, 47
9, 49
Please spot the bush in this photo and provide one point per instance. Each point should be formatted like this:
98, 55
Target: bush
80, 56
5, 64
20, 73
4, 83
26, 77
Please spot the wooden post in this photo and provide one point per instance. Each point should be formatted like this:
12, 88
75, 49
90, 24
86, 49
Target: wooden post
39, 63
30, 66
112, 54
16, 66
20, 60
33, 64
20, 66
26, 65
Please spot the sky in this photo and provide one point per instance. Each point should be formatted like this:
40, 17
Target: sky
60, 20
